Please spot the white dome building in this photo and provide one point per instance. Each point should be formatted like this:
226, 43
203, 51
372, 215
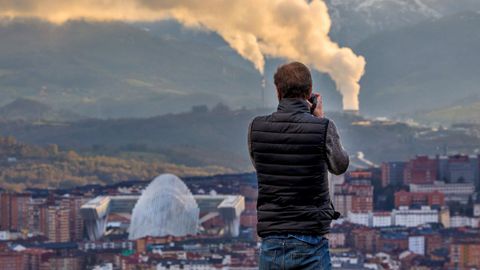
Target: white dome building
166, 207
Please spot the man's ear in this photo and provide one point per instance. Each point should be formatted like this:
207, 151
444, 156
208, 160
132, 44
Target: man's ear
309, 93
279, 95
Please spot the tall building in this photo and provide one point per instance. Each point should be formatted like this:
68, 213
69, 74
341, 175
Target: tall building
433, 242
14, 213
458, 169
354, 197
37, 258
360, 218
364, 239
337, 237
342, 201
381, 219
57, 224
465, 254
393, 241
76, 224
5, 213
362, 201
476, 209
392, 173
372, 174
20, 212
359, 174
334, 180
35, 225
404, 216
65, 262
405, 198
454, 192
420, 170
42, 219
416, 244
12, 261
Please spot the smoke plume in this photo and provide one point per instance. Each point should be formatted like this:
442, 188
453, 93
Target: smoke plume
290, 29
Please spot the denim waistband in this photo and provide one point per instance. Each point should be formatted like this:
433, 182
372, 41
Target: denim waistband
310, 239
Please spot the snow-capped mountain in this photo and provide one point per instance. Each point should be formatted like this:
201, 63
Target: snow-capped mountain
354, 20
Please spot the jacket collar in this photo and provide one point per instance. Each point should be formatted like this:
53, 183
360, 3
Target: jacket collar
293, 105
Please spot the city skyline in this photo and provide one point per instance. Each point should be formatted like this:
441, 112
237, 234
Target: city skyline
410, 226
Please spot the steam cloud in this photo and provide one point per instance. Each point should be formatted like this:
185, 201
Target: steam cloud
290, 29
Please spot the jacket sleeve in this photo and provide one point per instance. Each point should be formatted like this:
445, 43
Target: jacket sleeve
337, 157
249, 141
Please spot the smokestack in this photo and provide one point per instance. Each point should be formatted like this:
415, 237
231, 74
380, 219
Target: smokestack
264, 87
290, 29
354, 112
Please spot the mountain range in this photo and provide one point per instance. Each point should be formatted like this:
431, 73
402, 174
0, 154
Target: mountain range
428, 66
421, 57
113, 69
31, 110
354, 20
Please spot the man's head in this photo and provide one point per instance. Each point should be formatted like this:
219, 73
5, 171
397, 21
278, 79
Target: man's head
293, 80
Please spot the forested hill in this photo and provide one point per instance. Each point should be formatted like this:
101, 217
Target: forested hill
24, 165
218, 137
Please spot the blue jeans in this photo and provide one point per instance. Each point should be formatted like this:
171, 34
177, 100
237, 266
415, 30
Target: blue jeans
294, 251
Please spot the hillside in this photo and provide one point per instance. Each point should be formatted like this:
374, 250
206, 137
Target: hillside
23, 165
422, 67
113, 69
30, 110
466, 112
218, 137
355, 20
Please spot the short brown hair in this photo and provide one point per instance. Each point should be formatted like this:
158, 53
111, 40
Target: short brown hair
293, 80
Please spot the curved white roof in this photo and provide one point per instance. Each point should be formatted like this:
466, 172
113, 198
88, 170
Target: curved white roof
166, 207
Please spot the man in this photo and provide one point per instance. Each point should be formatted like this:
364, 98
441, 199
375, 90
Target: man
292, 151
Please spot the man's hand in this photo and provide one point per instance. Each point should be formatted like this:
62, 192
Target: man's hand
318, 112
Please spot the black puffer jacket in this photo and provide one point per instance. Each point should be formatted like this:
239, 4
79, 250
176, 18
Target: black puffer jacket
289, 154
